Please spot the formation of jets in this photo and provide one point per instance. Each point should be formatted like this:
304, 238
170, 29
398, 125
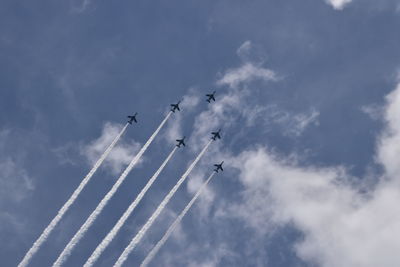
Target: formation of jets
181, 142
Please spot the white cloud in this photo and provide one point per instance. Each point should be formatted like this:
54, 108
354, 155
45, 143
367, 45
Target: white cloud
213, 258
341, 226
67, 153
212, 255
207, 195
15, 184
190, 101
80, 9
374, 111
302, 120
121, 154
252, 53
291, 124
389, 143
13, 228
253, 58
338, 4
244, 50
246, 73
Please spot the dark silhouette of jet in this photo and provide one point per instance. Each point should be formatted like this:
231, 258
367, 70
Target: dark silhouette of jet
216, 135
181, 142
175, 107
210, 97
218, 167
132, 119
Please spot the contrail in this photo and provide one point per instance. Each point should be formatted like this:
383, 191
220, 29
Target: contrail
43, 237
89, 221
162, 241
110, 236
122, 258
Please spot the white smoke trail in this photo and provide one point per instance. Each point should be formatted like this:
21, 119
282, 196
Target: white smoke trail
43, 237
110, 236
164, 239
122, 258
89, 221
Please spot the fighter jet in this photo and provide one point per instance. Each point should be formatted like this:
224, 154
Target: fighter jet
210, 97
181, 142
132, 119
216, 135
218, 167
175, 107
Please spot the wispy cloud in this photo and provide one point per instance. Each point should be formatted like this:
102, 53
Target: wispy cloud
291, 124
338, 4
250, 52
374, 111
16, 186
247, 73
15, 182
121, 154
253, 58
212, 255
84, 5
389, 143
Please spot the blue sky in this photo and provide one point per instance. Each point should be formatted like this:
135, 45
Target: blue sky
308, 96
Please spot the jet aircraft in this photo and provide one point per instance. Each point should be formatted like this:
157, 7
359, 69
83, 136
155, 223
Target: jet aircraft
218, 167
175, 107
210, 97
216, 135
132, 119
181, 142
